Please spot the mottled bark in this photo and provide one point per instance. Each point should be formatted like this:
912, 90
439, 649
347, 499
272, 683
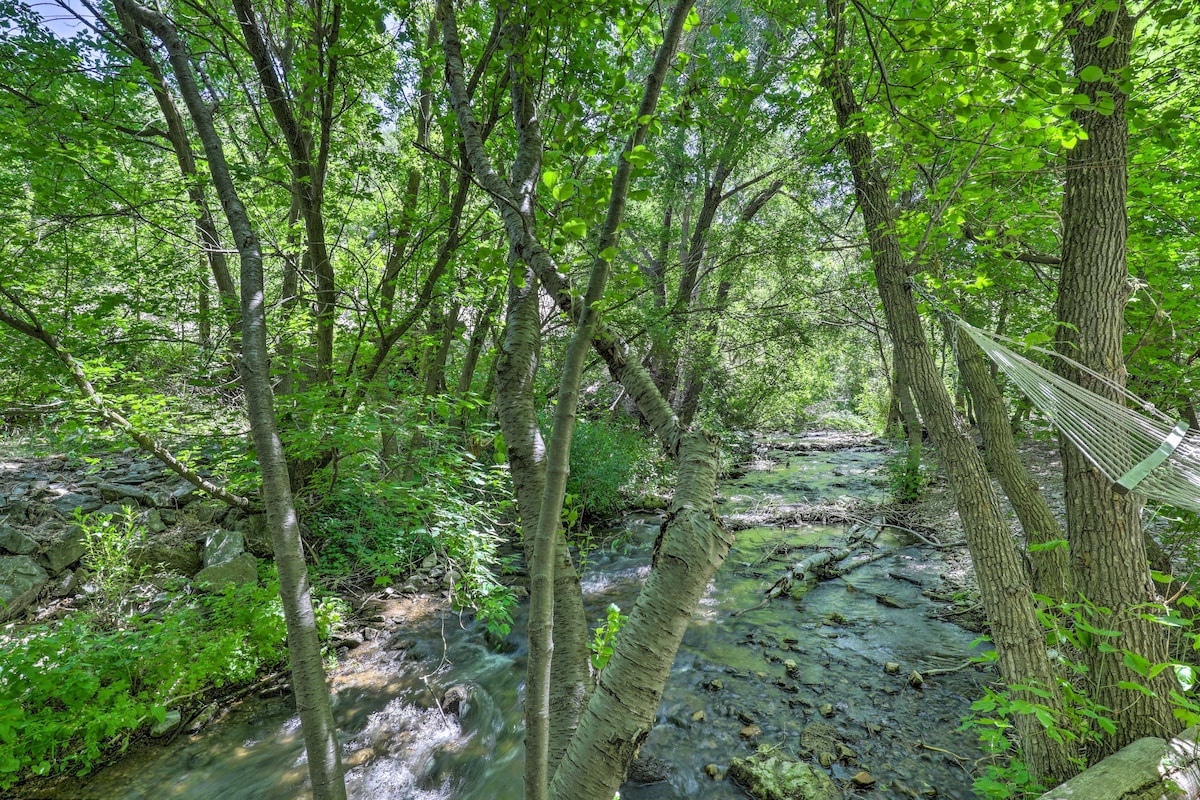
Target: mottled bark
1108, 557
1004, 586
592, 759
622, 710
1049, 563
304, 648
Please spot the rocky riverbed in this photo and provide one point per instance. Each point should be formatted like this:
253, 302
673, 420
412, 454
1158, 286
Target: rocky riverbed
854, 683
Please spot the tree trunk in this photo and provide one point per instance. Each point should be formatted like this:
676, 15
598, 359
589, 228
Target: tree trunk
1048, 561
1004, 586
1108, 556
304, 648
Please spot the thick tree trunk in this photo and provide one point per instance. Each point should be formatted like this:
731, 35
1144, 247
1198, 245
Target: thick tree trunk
304, 648
1004, 586
605, 754
1108, 557
1049, 562
622, 710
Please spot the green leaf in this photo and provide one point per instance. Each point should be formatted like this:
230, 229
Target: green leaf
693, 19
563, 191
1138, 663
550, 178
575, 228
1091, 74
1136, 687
608, 253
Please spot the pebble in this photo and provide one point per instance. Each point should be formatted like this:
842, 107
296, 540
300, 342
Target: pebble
750, 731
891, 668
699, 716
863, 780
826, 709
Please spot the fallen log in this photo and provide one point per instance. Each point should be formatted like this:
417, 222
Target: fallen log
858, 538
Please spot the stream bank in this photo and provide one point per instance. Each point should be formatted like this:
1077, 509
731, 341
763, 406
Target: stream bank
427, 709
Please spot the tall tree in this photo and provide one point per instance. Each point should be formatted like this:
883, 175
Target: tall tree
308, 673
1108, 556
1004, 585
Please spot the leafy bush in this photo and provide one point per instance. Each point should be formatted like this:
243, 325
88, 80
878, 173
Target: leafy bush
610, 462
377, 528
74, 692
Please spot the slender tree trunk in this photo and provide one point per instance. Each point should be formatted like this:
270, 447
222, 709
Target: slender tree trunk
479, 333
304, 648
1003, 583
1108, 556
206, 226
1049, 562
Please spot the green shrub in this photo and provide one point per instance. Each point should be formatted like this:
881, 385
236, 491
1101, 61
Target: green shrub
75, 692
610, 463
378, 529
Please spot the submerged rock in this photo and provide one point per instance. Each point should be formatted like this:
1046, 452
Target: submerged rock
771, 775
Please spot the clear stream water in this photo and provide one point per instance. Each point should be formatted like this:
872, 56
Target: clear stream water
776, 668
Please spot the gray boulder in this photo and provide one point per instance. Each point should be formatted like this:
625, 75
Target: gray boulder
16, 542
21, 579
222, 545
65, 551
67, 504
242, 570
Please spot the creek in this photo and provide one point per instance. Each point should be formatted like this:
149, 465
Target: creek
807, 676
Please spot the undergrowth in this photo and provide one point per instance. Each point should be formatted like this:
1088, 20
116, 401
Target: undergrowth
75, 692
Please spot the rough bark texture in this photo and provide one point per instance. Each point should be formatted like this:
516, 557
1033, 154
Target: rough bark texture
1003, 584
1108, 557
622, 710
304, 648
514, 202
608, 734
1049, 566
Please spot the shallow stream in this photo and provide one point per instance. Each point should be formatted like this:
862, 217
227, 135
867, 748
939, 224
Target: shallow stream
759, 678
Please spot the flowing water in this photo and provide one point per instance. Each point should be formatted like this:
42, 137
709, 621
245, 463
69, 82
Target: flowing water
781, 668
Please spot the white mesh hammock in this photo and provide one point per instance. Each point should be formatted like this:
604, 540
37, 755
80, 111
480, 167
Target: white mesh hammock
1135, 447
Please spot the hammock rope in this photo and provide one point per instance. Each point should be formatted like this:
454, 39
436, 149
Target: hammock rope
1136, 448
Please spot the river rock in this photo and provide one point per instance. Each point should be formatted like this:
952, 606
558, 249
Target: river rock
222, 545
170, 722
21, 579
16, 542
771, 775
67, 504
65, 551
242, 570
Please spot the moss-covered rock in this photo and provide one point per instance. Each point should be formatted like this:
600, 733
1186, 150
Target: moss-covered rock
771, 775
